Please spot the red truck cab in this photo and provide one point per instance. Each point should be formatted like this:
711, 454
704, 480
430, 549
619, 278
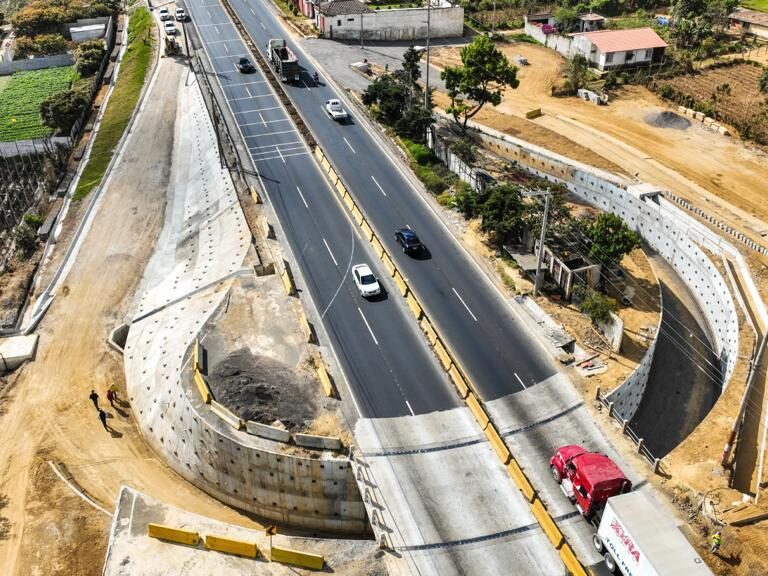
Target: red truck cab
587, 478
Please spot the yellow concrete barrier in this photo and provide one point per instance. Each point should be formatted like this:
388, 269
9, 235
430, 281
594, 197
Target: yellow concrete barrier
332, 176
255, 195
202, 387
389, 266
357, 215
303, 559
349, 201
547, 524
290, 287
442, 354
519, 477
326, 166
305, 327
231, 546
458, 381
319, 153
429, 331
497, 443
325, 378
177, 535
400, 283
377, 247
340, 188
367, 230
197, 356
477, 411
531, 114
414, 305
572, 564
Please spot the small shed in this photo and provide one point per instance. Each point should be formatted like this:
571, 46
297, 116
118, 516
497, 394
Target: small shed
591, 21
88, 32
567, 267
749, 21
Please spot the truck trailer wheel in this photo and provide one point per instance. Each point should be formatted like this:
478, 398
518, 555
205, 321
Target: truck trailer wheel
556, 474
610, 563
597, 542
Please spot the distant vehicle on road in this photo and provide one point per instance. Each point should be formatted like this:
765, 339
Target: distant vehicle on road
170, 28
334, 109
283, 60
587, 478
408, 240
244, 65
637, 538
181, 16
365, 281
163, 14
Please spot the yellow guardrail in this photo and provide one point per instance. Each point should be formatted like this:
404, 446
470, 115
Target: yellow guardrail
303, 559
255, 195
461, 382
171, 534
325, 378
231, 546
202, 387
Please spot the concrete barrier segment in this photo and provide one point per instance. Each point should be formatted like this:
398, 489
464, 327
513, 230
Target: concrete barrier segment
531, 114
400, 283
231, 546
547, 524
429, 331
377, 246
458, 381
348, 200
305, 327
357, 215
319, 154
202, 387
366, 229
519, 477
255, 195
303, 559
414, 306
389, 266
268, 432
198, 356
162, 532
497, 443
225, 414
572, 564
319, 442
442, 354
477, 411
325, 378
340, 188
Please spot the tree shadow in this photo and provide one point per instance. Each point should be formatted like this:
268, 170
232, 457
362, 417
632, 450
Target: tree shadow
5, 523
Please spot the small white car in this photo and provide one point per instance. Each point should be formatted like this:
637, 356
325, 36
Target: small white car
170, 28
163, 14
335, 110
365, 281
181, 16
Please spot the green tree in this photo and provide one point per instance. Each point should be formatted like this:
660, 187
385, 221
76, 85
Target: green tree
595, 305
763, 82
40, 45
34, 19
502, 211
480, 80
89, 57
567, 18
61, 110
576, 72
610, 238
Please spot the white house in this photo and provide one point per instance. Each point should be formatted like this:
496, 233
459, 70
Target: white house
750, 21
606, 49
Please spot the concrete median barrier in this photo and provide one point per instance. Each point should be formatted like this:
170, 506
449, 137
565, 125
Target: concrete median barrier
340, 188
198, 356
367, 230
414, 306
442, 354
389, 266
305, 326
400, 283
477, 411
572, 564
378, 249
319, 154
357, 215
458, 381
521, 480
535, 113
231, 546
497, 443
290, 287
325, 378
268, 432
547, 523
303, 559
225, 414
177, 535
202, 387
255, 195
349, 201
318, 442
429, 330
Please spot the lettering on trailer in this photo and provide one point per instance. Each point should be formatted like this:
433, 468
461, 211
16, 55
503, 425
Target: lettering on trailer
625, 539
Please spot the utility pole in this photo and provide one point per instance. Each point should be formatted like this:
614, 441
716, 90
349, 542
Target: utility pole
362, 47
493, 22
540, 254
426, 78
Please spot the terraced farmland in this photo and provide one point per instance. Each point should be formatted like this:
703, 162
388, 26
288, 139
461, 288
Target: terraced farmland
20, 101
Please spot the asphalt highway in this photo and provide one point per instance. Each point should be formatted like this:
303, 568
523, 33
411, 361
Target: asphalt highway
497, 353
391, 370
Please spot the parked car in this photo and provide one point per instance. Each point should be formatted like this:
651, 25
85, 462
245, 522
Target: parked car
163, 14
365, 281
245, 66
408, 240
181, 16
170, 28
334, 109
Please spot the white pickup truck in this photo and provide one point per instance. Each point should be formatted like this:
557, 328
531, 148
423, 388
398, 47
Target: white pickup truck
335, 110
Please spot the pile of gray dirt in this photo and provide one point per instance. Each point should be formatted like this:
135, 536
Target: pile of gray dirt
263, 390
667, 119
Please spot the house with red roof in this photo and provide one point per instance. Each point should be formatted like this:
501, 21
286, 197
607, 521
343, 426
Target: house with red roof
607, 49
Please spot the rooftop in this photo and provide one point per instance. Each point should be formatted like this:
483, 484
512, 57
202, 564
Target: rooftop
591, 17
343, 7
750, 16
624, 40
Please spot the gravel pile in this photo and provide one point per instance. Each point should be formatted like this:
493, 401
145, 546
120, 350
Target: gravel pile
668, 119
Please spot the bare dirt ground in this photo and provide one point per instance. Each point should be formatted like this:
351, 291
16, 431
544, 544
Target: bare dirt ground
679, 160
45, 411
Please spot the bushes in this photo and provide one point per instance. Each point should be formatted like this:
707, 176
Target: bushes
61, 110
40, 45
46, 17
89, 56
432, 181
595, 305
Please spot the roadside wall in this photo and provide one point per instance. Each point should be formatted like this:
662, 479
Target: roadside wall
39, 63
661, 224
397, 24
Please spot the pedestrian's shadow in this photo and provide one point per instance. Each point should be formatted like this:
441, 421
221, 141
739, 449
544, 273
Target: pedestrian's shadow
119, 410
114, 433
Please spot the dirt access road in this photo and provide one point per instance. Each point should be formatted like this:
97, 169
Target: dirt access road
681, 160
45, 411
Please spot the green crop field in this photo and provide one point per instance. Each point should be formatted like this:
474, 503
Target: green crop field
761, 5
4, 81
21, 97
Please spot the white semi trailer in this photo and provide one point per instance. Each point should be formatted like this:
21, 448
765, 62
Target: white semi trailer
638, 539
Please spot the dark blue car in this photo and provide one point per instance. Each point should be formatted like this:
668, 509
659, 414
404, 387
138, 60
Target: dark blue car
408, 240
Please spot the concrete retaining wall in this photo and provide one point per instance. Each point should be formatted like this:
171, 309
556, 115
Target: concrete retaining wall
39, 63
669, 231
397, 24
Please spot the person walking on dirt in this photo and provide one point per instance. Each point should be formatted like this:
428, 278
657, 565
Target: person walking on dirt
103, 418
94, 398
717, 539
111, 397
113, 389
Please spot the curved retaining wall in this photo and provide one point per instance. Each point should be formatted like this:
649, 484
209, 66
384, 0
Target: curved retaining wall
203, 245
669, 231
